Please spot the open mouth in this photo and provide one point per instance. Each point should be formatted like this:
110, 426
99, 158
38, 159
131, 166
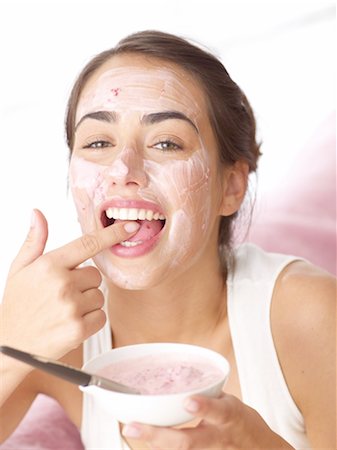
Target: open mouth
151, 223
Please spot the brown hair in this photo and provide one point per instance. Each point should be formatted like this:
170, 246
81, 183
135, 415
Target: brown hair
230, 113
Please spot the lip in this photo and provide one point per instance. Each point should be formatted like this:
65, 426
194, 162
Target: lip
146, 246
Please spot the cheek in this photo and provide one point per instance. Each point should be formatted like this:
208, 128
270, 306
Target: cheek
192, 214
87, 187
187, 183
185, 188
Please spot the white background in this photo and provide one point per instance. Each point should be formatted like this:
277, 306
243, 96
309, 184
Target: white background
282, 53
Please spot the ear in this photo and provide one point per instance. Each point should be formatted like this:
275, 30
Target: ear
235, 180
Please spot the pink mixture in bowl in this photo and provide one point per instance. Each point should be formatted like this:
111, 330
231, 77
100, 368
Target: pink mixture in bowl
164, 374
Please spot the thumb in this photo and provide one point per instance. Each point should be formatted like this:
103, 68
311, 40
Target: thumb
34, 243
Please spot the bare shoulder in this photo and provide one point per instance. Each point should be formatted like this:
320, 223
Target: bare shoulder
303, 320
304, 296
304, 300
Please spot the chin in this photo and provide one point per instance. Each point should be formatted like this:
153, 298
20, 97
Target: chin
125, 281
130, 277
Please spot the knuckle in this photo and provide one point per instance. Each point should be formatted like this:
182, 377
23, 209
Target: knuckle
72, 310
101, 319
46, 264
97, 275
77, 331
205, 405
97, 322
29, 240
100, 298
65, 289
90, 243
233, 407
94, 299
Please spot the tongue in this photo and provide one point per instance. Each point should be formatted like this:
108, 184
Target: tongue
148, 229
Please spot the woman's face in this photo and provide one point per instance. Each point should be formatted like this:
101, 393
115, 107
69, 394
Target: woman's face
144, 150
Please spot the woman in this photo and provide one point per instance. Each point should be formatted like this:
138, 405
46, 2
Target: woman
162, 142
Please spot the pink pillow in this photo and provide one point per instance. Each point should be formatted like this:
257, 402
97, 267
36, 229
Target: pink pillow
45, 427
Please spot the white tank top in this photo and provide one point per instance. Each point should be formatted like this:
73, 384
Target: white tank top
250, 287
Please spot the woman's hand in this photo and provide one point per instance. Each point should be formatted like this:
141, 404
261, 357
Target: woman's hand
50, 306
225, 423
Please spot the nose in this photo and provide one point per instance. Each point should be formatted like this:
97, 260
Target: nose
128, 169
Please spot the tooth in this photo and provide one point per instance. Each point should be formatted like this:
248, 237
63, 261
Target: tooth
115, 213
142, 214
131, 243
132, 214
109, 213
123, 214
149, 215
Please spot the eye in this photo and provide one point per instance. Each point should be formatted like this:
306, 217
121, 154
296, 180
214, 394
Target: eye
167, 145
98, 144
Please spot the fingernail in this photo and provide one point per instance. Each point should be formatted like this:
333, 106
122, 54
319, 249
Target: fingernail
33, 219
131, 431
131, 227
192, 405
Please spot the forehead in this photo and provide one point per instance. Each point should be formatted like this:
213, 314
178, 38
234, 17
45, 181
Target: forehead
139, 83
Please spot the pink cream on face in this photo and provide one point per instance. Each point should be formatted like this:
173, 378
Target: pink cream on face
180, 186
186, 225
134, 88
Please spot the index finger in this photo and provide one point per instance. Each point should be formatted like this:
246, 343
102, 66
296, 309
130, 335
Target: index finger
76, 252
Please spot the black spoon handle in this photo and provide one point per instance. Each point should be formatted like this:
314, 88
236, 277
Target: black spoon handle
65, 372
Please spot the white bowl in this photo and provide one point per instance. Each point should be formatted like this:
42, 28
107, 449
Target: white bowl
155, 409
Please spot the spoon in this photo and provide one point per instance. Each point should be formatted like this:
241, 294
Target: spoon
66, 372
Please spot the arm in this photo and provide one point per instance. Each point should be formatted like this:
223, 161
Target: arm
304, 305
50, 306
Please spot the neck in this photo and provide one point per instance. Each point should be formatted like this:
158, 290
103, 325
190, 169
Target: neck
191, 309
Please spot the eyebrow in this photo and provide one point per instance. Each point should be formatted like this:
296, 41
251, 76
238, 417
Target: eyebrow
147, 119
166, 115
103, 116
